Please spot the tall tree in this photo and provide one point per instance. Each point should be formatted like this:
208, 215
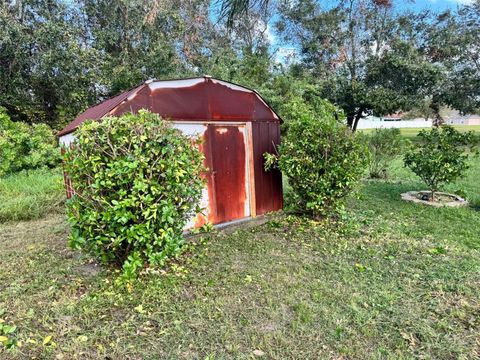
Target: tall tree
46, 74
137, 39
355, 51
231, 10
452, 43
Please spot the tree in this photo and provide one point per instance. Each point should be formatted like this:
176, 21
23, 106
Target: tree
440, 156
370, 58
139, 39
46, 75
357, 54
239, 53
234, 9
452, 42
59, 57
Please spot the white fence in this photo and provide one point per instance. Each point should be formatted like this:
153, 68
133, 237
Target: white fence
376, 124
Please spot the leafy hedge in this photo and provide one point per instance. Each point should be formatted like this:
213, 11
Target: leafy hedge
137, 182
322, 159
26, 147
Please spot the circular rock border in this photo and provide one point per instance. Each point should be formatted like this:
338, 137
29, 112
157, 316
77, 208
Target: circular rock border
457, 201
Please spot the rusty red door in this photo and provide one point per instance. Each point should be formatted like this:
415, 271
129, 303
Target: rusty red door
227, 180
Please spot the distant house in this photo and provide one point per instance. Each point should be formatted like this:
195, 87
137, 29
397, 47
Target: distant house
392, 117
463, 120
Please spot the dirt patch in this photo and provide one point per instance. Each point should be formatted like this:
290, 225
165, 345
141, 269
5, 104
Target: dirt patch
89, 269
50, 232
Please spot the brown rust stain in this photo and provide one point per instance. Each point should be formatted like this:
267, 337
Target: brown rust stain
224, 149
206, 101
200, 220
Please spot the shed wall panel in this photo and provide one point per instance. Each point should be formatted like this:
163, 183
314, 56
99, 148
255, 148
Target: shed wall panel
268, 184
224, 149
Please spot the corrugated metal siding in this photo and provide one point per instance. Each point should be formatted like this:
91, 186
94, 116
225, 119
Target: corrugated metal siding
268, 184
204, 101
67, 181
224, 149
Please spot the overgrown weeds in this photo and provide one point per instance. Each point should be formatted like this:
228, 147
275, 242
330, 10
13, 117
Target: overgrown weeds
31, 195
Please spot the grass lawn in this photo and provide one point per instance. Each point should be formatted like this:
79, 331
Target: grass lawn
395, 281
411, 133
31, 195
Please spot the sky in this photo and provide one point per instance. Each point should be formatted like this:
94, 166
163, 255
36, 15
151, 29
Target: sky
435, 5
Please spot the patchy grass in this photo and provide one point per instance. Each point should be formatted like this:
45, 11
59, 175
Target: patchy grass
395, 281
31, 195
411, 133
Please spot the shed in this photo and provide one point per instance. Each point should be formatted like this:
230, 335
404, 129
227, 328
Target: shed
237, 127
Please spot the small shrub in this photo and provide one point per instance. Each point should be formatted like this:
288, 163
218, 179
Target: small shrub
384, 145
323, 161
440, 157
26, 147
137, 181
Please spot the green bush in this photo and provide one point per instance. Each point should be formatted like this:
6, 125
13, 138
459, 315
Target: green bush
384, 145
26, 147
137, 182
322, 159
440, 156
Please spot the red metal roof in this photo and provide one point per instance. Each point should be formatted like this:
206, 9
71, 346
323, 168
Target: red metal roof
98, 111
200, 99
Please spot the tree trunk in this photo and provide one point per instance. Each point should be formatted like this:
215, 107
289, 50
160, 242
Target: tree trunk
350, 121
437, 120
357, 119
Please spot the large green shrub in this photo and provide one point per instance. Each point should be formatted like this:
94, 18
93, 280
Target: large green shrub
440, 157
137, 181
26, 147
322, 159
384, 145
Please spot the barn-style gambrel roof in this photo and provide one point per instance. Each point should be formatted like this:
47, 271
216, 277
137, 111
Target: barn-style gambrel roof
198, 99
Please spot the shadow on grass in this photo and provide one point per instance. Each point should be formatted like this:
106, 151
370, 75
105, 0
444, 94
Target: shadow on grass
389, 191
475, 205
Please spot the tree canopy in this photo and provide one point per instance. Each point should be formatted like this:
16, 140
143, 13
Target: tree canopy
58, 57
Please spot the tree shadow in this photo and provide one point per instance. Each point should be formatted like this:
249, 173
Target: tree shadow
475, 206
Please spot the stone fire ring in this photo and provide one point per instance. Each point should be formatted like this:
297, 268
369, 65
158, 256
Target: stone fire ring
456, 201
